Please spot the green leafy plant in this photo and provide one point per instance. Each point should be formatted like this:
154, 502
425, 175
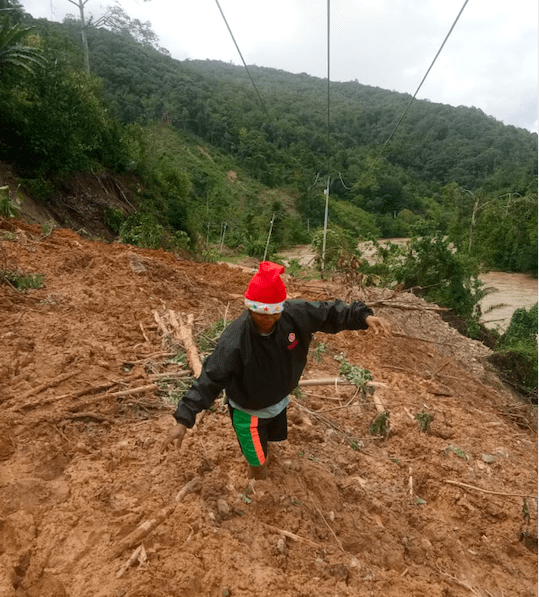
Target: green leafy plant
355, 375
114, 218
433, 268
424, 420
380, 425
294, 268
457, 451
516, 354
142, 230
48, 228
298, 393
207, 339
355, 445
12, 49
9, 207
317, 352
340, 246
22, 282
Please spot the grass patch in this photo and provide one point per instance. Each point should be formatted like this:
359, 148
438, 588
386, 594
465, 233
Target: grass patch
22, 282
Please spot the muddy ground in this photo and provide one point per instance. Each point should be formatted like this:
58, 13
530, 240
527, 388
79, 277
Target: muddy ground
88, 382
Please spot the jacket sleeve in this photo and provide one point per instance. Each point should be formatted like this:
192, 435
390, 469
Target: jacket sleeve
217, 370
335, 316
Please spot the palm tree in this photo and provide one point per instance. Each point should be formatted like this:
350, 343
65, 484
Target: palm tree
12, 49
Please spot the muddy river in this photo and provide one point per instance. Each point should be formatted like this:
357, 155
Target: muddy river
508, 291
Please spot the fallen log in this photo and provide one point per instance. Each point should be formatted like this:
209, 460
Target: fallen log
185, 334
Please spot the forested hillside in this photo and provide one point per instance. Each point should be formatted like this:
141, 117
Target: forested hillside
450, 169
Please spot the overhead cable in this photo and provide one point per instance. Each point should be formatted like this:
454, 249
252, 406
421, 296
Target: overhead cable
244, 64
417, 90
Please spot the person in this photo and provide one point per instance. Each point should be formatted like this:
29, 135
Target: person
259, 359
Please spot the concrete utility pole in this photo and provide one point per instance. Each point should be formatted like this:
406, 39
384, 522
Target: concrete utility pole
81, 4
326, 192
269, 236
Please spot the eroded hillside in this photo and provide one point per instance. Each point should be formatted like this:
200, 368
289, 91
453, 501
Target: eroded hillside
86, 379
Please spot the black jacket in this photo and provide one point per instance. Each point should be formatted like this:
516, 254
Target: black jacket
258, 371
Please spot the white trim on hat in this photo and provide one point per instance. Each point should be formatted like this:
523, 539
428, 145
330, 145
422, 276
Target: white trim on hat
264, 308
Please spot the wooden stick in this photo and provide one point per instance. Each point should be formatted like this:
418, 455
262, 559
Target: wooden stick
161, 324
78, 394
148, 526
330, 529
378, 403
131, 561
152, 387
48, 384
522, 495
399, 335
144, 333
171, 375
293, 536
85, 415
189, 487
149, 358
338, 381
384, 303
143, 530
460, 582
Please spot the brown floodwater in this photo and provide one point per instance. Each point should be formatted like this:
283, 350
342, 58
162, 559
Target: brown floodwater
509, 292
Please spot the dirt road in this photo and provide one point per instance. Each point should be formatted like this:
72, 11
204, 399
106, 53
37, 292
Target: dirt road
88, 382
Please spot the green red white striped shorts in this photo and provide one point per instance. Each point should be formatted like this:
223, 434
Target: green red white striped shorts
254, 433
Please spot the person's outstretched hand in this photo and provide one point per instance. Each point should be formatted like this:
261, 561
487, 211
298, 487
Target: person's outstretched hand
177, 434
379, 325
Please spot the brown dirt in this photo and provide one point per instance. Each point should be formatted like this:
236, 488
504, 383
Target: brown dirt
81, 468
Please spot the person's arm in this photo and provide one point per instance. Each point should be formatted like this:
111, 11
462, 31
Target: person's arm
200, 396
335, 316
216, 371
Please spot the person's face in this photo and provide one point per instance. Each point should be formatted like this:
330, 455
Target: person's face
263, 322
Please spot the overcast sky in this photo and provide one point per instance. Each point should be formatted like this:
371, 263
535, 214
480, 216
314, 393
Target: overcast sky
490, 60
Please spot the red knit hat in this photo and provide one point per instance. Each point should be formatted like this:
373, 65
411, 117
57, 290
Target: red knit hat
266, 292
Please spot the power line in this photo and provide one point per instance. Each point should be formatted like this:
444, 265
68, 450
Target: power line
329, 146
416, 92
244, 64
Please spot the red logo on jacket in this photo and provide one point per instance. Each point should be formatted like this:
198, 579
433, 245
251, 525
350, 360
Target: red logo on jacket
293, 340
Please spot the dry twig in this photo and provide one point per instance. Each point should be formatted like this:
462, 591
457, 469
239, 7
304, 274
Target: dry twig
522, 495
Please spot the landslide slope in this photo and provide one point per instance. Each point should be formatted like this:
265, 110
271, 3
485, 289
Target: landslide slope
87, 384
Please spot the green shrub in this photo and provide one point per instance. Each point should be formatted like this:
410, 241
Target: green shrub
22, 282
516, 354
339, 246
142, 230
441, 274
9, 208
114, 218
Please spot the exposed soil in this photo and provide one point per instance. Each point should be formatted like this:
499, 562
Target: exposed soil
446, 512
